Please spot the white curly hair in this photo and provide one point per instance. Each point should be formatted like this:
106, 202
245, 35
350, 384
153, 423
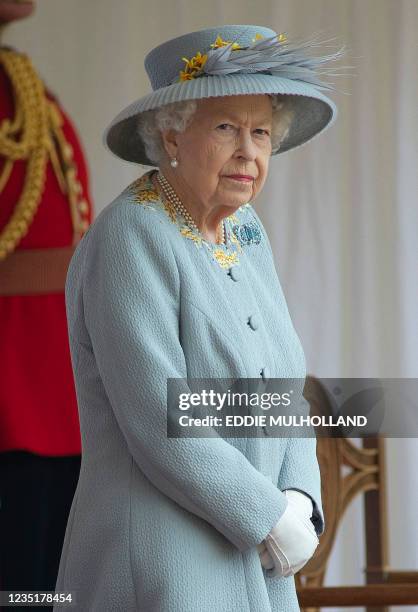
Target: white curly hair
178, 115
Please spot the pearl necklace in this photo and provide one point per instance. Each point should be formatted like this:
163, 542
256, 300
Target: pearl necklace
173, 198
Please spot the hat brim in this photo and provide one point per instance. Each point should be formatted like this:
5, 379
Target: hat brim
314, 112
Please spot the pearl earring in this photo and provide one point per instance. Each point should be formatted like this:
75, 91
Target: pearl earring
174, 163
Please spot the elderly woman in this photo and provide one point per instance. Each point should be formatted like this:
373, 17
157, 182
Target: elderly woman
175, 279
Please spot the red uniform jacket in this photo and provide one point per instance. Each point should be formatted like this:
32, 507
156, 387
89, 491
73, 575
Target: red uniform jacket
38, 407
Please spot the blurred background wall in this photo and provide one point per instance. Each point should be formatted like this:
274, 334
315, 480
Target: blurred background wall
342, 213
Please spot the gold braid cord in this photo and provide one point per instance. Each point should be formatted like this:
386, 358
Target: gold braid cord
35, 134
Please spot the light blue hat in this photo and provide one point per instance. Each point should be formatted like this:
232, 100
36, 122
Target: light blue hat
226, 61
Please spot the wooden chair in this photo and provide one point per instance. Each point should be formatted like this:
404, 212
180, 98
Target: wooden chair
384, 587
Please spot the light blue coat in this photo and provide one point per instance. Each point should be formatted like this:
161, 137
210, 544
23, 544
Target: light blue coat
164, 524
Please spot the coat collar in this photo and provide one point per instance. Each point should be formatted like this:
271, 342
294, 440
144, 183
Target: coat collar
239, 232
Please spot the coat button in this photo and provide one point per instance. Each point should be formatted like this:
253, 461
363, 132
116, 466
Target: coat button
253, 321
234, 273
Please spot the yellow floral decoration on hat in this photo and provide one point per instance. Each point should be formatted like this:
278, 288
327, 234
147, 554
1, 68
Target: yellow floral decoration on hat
195, 64
221, 43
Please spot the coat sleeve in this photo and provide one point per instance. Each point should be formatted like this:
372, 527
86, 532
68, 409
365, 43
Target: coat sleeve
300, 471
131, 289
300, 468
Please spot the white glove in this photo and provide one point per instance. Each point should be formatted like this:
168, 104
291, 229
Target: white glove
265, 557
293, 540
303, 504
